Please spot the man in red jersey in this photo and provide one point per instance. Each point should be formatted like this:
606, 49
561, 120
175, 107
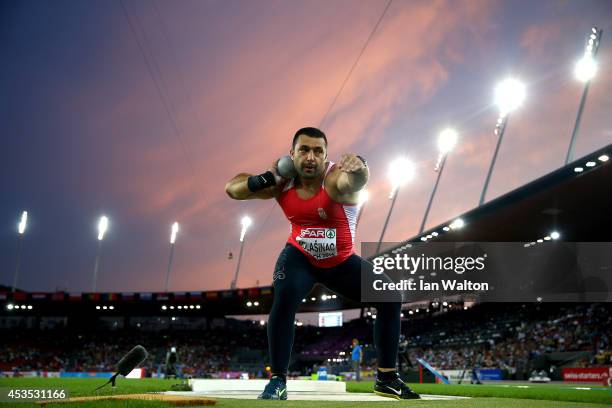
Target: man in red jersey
320, 202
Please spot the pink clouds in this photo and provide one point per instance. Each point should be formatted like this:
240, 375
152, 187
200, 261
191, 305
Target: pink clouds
279, 70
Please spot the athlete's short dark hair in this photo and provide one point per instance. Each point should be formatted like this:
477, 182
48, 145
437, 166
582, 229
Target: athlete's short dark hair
309, 131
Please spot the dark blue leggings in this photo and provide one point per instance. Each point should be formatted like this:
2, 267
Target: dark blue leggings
294, 277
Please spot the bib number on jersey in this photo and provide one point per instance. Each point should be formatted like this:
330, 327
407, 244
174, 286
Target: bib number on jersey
318, 242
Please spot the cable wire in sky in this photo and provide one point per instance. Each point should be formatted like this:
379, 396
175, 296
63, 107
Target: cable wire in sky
346, 79
175, 126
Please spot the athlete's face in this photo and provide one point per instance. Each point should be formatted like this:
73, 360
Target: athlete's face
309, 154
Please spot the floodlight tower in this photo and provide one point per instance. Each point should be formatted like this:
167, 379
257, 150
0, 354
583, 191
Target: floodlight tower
401, 171
246, 223
102, 227
446, 142
173, 232
21, 230
364, 195
509, 95
585, 70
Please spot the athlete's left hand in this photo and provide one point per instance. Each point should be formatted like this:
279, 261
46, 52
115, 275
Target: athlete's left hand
350, 163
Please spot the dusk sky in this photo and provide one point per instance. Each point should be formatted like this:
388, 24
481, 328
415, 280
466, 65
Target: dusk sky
142, 110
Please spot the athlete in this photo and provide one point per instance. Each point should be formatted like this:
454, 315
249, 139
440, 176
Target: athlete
320, 203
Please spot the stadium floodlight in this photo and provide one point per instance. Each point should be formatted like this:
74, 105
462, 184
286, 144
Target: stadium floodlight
246, 223
585, 71
446, 142
586, 68
555, 235
102, 228
457, 224
173, 231
401, 170
21, 230
362, 198
509, 95
603, 158
23, 222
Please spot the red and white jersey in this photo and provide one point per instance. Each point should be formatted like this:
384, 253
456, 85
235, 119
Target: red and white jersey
321, 228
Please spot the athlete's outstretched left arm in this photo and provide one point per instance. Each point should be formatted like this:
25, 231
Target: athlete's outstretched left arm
354, 174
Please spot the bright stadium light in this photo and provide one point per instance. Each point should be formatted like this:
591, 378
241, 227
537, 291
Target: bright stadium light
509, 95
102, 227
401, 170
447, 140
555, 235
363, 196
23, 222
21, 229
175, 229
446, 143
585, 70
457, 224
173, 232
246, 223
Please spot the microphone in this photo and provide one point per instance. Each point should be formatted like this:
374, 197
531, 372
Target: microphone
135, 356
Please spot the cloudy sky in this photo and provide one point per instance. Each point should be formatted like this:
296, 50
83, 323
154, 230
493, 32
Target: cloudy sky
143, 109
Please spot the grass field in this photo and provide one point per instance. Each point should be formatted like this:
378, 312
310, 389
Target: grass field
548, 395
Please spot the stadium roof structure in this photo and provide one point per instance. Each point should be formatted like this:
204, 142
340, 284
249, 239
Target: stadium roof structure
575, 200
